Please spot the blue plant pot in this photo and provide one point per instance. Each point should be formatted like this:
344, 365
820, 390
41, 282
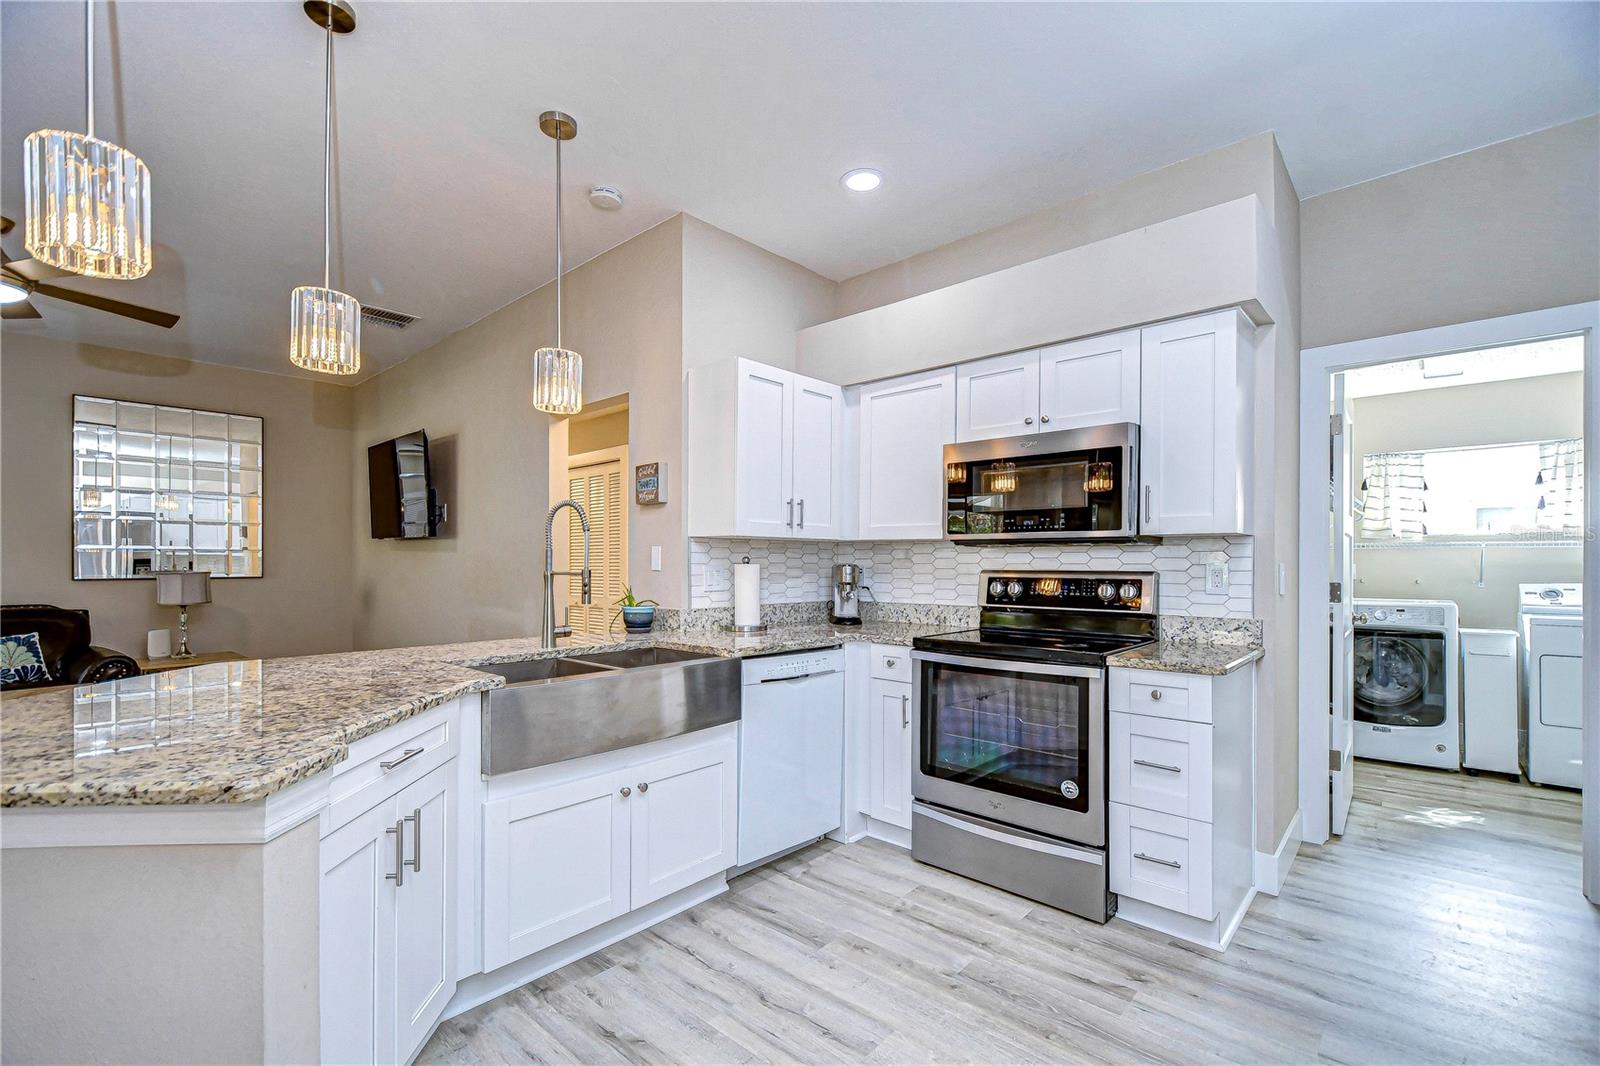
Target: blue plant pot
638, 619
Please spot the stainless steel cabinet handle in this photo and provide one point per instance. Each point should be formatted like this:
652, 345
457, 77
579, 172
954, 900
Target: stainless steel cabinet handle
1028, 421
644, 786
791, 514
1155, 694
905, 712
1158, 862
406, 756
1044, 418
1158, 766
802, 514
891, 663
415, 862
626, 791
399, 875
1147, 503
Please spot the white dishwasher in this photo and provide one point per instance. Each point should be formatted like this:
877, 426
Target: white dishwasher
791, 751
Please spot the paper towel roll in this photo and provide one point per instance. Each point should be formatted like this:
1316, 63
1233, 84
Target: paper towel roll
746, 594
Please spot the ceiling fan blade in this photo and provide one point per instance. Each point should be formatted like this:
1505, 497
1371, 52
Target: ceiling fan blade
5, 225
20, 309
34, 270
116, 307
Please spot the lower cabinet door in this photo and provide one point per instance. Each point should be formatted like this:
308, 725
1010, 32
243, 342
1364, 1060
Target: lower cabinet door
555, 863
890, 753
685, 819
357, 944
424, 909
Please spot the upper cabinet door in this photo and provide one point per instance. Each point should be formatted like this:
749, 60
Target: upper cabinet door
1195, 431
764, 489
1090, 382
998, 397
818, 451
905, 424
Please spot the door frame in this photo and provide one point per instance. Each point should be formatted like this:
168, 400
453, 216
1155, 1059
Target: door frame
1317, 367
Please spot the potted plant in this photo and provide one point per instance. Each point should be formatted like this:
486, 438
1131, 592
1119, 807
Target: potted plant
637, 615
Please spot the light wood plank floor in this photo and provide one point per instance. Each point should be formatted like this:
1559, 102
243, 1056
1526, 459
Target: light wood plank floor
1447, 925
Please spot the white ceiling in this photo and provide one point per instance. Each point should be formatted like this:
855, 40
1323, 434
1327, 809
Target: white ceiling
744, 115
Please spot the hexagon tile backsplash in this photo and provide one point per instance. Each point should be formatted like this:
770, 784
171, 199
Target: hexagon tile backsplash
940, 572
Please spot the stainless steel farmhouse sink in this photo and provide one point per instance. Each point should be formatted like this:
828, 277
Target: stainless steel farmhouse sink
554, 709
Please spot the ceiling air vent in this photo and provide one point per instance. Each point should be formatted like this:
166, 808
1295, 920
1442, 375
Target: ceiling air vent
385, 318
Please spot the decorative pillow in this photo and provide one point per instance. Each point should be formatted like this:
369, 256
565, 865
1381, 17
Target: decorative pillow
22, 660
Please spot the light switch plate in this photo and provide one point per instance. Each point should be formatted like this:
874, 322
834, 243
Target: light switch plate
655, 557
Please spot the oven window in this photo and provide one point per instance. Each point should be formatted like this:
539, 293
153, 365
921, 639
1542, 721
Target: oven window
1022, 734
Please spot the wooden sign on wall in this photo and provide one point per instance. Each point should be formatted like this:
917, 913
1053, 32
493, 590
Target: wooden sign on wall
650, 484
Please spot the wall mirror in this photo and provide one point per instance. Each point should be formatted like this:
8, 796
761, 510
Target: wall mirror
164, 488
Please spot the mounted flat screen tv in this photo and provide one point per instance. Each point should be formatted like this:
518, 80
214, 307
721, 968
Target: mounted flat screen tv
401, 482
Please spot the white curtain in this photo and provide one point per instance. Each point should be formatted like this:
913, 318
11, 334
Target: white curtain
1560, 484
1394, 492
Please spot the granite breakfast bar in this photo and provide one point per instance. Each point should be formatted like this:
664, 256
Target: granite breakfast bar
169, 833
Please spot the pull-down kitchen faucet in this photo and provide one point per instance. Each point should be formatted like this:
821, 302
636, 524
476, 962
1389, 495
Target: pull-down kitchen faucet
548, 630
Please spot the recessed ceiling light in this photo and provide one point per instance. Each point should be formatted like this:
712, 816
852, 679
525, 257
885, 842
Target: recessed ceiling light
862, 180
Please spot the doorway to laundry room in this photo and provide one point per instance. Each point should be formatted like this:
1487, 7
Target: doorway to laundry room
1443, 660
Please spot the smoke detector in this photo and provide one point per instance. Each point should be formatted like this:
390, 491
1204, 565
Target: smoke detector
605, 197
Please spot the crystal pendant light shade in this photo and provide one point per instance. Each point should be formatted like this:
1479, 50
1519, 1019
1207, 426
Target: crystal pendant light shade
324, 330
558, 381
87, 205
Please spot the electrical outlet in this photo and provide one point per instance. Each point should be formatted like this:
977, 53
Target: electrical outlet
719, 579
1217, 576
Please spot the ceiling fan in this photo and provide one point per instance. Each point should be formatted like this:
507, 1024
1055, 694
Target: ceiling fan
22, 278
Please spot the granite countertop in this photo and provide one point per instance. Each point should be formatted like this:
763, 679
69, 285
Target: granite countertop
1188, 657
238, 732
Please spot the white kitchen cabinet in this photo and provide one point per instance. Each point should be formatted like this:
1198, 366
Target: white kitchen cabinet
1181, 814
904, 425
765, 451
890, 752
387, 920
998, 397
1195, 425
575, 845
1090, 382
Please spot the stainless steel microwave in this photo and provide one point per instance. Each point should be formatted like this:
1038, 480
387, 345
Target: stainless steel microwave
1074, 484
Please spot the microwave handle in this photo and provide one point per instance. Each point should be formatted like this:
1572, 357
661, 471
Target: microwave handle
1147, 503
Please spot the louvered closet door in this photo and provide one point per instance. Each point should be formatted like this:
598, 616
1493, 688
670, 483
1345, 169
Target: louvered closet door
599, 488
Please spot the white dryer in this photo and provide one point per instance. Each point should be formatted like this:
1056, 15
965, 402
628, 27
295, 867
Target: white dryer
1550, 618
1408, 681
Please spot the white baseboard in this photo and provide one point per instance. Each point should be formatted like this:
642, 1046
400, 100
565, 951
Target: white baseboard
1272, 868
1216, 934
481, 988
889, 834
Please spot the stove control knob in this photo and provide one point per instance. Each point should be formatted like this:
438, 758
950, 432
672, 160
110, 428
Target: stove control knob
1129, 592
996, 587
1107, 592
1015, 589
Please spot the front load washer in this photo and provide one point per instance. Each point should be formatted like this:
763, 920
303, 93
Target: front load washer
1407, 682
1550, 618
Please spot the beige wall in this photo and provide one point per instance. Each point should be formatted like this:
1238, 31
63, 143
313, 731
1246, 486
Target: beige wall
1502, 412
591, 434
1508, 228
471, 393
302, 604
222, 939
741, 300
1216, 177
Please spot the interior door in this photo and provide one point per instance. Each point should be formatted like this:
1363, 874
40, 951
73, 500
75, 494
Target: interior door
1341, 611
818, 458
601, 488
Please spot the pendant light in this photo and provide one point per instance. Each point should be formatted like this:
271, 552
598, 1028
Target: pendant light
558, 372
325, 324
86, 201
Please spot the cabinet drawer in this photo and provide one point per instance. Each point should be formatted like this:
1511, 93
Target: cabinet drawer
411, 749
891, 664
1161, 765
1161, 859
1184, 697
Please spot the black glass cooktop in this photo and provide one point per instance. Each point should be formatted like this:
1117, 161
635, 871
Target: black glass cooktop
1089, 649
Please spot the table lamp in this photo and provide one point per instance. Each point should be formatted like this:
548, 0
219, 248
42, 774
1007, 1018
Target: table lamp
180, 588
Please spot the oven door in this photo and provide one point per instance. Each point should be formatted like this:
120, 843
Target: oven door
1019, 743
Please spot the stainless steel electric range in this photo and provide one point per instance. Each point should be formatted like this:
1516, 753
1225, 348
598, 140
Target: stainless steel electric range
1009, 778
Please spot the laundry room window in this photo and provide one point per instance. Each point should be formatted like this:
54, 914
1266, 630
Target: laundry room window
1530, 491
